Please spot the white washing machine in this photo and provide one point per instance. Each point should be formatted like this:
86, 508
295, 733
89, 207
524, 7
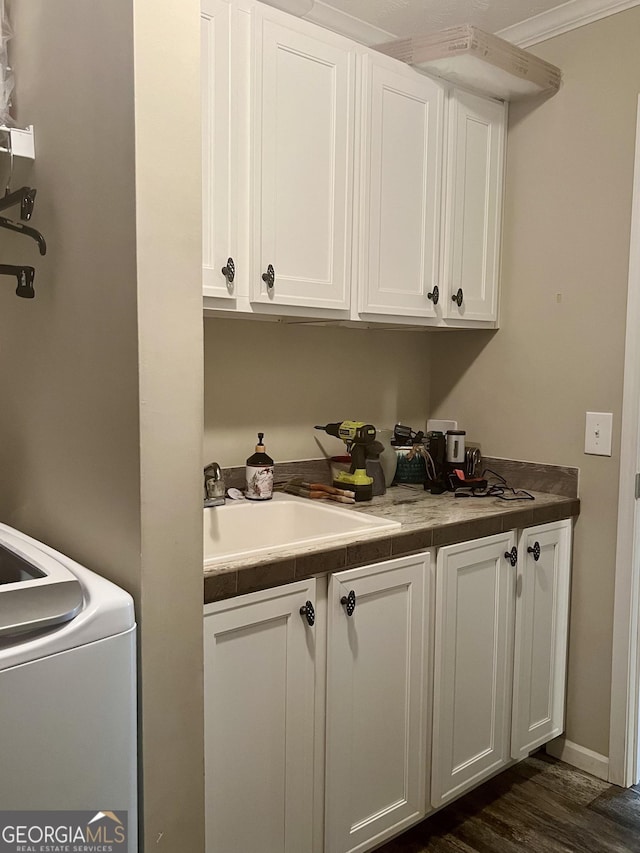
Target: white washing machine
67, 685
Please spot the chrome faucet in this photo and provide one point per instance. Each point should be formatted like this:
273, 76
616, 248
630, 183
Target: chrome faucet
213, 485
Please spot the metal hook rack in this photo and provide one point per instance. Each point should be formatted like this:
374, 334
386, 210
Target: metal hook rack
20, 144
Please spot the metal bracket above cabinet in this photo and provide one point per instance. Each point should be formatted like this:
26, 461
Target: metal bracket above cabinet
17, 150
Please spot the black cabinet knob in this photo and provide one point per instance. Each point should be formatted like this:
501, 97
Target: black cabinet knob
349, 602
535, 551
308, 612
229, 272
512, 555
269, 277
458, 297
434, 295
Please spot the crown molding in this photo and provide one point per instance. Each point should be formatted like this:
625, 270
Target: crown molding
345, 24
562, 19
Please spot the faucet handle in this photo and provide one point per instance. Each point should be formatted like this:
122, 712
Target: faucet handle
213, 471
213, 485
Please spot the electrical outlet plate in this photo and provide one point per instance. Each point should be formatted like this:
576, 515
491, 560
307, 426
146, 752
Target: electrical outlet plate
440, 425
598, 432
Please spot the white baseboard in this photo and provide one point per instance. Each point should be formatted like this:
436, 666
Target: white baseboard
580, 757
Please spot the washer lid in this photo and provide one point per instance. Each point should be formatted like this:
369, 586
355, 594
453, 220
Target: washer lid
36, 590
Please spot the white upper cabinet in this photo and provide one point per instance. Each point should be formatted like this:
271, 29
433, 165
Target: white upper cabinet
473, 207
302, 111
343, 184
219, 231
542, 614
400, 185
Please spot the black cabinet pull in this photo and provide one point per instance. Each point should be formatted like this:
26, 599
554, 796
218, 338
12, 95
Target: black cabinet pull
434, 295
458, 297
229, 272
535, 551
512, 555
349, 602
308, 612
269, 277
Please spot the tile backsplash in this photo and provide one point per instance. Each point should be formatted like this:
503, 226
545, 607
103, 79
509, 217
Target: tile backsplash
533, 476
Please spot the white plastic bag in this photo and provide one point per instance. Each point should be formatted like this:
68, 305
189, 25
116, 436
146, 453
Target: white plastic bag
6, 76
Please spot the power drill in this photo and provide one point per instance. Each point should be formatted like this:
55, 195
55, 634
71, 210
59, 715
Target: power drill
356, 435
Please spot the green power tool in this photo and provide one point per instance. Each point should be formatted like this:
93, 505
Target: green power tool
357, 436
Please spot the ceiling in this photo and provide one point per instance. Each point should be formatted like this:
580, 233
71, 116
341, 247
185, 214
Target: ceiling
415, 17
521, 22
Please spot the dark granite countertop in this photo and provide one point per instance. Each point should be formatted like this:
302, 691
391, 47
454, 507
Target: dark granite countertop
426, 520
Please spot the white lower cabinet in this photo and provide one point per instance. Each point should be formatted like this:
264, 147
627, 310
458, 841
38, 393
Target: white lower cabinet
475, 585
500, 653
542, 616
259, 722
336, 719
377, 702
264, 715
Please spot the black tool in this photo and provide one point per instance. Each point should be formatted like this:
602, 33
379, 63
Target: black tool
457, 479
402, 435
24, 277
357, 436
25, 229
496, 487
436, 482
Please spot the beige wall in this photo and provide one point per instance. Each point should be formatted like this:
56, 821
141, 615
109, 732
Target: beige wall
100, 423
169, 282
524, 390
282, 380
69, 384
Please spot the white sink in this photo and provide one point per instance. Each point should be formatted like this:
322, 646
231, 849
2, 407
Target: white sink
246, 528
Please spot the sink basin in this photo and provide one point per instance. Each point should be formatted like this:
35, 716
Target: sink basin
246, 528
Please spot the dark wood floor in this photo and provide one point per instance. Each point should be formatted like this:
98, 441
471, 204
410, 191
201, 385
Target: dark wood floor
539, 805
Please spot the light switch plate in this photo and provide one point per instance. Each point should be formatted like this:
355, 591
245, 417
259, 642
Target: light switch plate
597, 434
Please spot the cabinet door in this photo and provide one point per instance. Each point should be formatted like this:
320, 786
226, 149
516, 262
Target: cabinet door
542, 613
475, 585
302, 184
218, 159
259, 705
473, 217
402, 127
377, 702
